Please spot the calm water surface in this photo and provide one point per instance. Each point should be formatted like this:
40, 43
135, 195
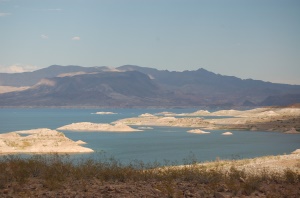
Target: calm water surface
158, 144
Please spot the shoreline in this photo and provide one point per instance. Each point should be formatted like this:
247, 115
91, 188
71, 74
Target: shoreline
129, 107
276, 119
274, 163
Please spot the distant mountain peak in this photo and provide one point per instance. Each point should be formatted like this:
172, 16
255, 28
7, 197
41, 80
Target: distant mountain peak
202, 70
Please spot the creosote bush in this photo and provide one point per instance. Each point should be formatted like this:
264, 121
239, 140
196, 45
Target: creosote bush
56, 171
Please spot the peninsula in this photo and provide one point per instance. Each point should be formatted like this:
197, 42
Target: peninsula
283, 119
152, 120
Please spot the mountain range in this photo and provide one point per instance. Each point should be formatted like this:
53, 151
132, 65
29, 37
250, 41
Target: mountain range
135, 86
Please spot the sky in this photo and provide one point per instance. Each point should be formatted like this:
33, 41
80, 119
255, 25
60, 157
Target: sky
257, 39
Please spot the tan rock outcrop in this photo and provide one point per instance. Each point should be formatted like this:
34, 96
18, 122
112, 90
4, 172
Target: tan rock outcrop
166, 121
197, 131
88, 126
292, 131
227, 133
39, 141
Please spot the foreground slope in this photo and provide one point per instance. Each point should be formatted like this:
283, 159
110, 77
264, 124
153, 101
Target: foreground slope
54, 176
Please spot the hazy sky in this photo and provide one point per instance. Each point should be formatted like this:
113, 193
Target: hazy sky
257, 39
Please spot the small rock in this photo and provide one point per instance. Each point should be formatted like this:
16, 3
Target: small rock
5, 191
188, 194
227, 133
109, 188
223, 195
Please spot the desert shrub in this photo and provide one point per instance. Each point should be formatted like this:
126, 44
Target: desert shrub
251, 184
233, 179
14, 169
169, 189
55, 171
291, 176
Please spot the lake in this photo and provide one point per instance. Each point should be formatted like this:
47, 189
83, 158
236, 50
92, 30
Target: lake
158, 144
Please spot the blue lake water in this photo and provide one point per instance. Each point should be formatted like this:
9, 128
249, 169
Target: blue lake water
158, 144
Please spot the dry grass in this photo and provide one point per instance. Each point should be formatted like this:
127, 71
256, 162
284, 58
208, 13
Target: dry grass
60, 172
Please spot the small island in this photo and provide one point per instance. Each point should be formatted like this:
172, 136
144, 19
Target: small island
227, 133
93, 127
104, 113
39, 141
197, 131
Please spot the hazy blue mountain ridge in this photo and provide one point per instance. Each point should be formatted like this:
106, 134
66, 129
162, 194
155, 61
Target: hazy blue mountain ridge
104, 88
31, 78
130, 86
210, 86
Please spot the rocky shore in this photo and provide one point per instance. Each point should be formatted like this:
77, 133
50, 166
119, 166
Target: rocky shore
259, 119
273, 163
